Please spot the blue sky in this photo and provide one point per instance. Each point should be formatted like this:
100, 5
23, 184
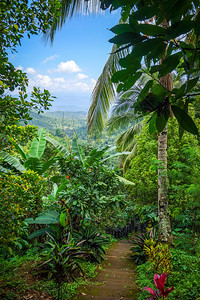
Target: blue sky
70, 67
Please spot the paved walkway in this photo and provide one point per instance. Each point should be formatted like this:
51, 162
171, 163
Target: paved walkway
116, 279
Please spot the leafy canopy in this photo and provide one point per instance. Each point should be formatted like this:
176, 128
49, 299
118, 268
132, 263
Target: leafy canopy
162, 37
17, 19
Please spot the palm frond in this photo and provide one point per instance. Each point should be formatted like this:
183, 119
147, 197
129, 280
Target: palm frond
104, 93
70, 9
120, 121
129, 158
125, 141
122, 105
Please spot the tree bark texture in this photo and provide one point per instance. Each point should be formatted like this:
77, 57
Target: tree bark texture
165, 234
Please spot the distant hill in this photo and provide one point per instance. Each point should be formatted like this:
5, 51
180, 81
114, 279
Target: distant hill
59, 122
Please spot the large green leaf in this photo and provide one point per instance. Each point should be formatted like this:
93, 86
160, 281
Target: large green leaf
49, 217
130, 62
126, 38
191, 83
121, 28
13, 161
62, 219
152, 30
120, 76
94, 156
143, 13
18, 148
48, 164
34, 164
179, 28
131, 80
184, 120
125, 181
160, 123
144, 48
57, 145
152, 124
39, 232
38, 145
169, 64
186, 87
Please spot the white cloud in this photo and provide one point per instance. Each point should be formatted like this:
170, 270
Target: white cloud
19, 68
82, 76
68, 67
52, 57
59, 79
30, 71
80, 86
65, 83
43, 81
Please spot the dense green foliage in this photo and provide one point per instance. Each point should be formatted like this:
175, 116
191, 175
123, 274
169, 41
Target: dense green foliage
17, 19
59, 196
21, 197
185, 271
183, 174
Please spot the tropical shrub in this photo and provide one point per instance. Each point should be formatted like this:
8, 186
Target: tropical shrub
90, 238
139, 242
21, 197
62, 261
185, 276
89, 190
160, 256
159, 281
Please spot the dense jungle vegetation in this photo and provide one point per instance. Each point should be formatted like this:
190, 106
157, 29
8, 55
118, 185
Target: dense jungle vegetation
60, 194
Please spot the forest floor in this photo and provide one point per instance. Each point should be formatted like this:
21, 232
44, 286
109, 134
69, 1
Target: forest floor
116, 279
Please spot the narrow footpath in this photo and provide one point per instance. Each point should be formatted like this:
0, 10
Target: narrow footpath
116, 279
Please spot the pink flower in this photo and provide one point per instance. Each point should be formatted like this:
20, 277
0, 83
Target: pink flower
159, 281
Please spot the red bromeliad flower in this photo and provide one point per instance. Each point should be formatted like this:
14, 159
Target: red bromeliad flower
159, 281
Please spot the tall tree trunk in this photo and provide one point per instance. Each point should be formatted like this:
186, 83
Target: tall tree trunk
164, 225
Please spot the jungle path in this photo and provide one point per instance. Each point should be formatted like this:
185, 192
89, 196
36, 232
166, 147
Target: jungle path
116, 279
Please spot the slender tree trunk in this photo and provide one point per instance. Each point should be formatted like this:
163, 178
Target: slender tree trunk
164, 225
165, 234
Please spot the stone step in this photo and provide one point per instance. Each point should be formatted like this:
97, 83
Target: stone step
108, 291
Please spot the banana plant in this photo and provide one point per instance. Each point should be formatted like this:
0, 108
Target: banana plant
96, 155
32, 159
